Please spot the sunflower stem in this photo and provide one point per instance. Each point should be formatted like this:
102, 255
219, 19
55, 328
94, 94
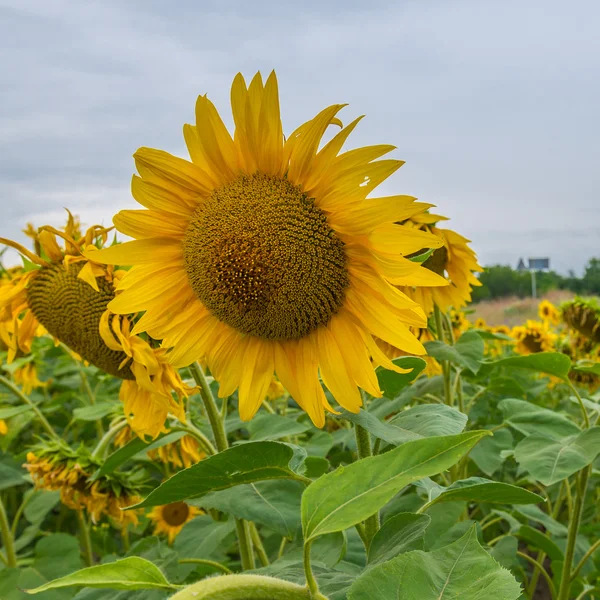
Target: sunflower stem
575, 522
107, 439
363, 445
86, 541
445, 364
586, 418
206, 444
258, 546
86, 384
311, 582
15, 390
7, 538
244, 539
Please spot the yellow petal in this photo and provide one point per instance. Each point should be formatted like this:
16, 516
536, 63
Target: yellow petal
138, 252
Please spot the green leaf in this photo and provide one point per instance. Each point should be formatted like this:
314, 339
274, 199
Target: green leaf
246, 463
10, 477
477, 489
392, 383
95, 412
467, 352
39, 504
551, 363
203, 537
7, 412
505, 551
461, 570
587, 366
550, 461
350, 494
423, 420
133, 448
528, 418
126, 574
487, 455
274, 504
274, 427
534, 537
402, 533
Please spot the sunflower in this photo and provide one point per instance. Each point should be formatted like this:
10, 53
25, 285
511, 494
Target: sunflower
548, 312
263, 254
480, 323
533, 337
3, 427
171, 518
56, 467
68, 295
459, 321
583, 316
454, 260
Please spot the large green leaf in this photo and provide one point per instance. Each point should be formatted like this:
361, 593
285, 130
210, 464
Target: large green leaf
551, 363
529, 418
424, 420
587, 366
203, 537
350, 494
467, 352
534, 537
274, 504
10, 476
6, 412
132, 573
487, 455
463, 570
94, 412
477, 489
392, 383
246, 463
274, 427
402, 533
551, 461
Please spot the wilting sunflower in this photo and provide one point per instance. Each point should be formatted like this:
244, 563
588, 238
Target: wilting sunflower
27, 377
548, 312
533, 337
454, 260
171, 518
55, 466
263, 254
583, 316
68, 294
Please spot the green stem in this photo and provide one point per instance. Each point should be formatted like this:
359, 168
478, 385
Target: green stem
540, 569
209, 563
218, 428
282, 546
86, 542
7, 538
245, 587
445, 364
311, 582
586, 592
91, 395
586, 418
15, 390
575, 522
587, 555
107, 439
246, 553
258, 546
19, 513
363, 445
214, 417
190, 429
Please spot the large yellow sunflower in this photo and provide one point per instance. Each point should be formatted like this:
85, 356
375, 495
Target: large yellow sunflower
533, 337
68, 294
263, 254
454, 260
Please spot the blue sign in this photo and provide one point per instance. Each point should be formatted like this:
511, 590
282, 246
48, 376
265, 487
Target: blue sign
539, 264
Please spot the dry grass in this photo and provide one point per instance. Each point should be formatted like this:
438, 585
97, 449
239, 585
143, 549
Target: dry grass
513, 311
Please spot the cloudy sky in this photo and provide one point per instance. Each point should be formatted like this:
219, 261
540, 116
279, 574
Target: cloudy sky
493, 104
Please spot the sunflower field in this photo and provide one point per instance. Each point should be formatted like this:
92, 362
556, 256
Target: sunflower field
275, 390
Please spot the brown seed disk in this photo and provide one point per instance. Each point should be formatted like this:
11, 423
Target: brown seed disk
70, 309
263, 258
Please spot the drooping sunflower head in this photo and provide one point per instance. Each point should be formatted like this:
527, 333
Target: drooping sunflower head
56, 467
454, 260
264, 254
583, 316
533, 337
548, 312
170, 519
67, 294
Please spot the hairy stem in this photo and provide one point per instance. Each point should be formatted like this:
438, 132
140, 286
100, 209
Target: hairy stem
363, 445
107, 439
246, 553
7, 538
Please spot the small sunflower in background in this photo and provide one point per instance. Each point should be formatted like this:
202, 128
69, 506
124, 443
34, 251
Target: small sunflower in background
264, 255
480, 323
459, 322
171, 518
454, 260
3, 427
548, 312
67, 294
533, 337
583, 316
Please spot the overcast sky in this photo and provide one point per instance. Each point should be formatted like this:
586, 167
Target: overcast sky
493, 104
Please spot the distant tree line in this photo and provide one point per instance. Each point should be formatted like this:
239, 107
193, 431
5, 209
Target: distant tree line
502, 280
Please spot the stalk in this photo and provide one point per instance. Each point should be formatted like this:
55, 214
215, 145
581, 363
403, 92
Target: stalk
363, 445
107, 438
7, 538
86, 542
